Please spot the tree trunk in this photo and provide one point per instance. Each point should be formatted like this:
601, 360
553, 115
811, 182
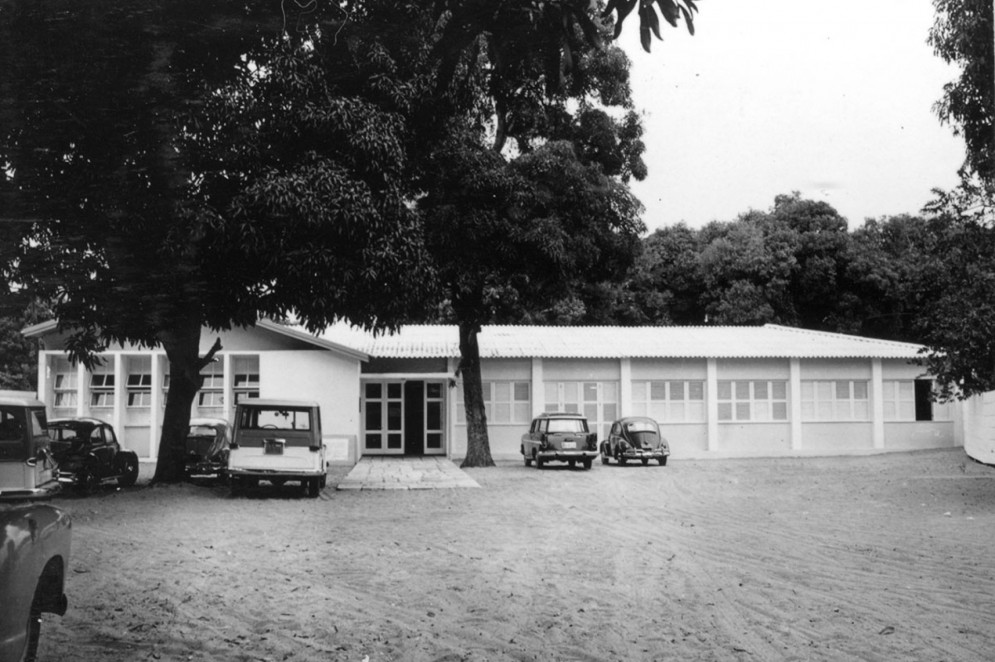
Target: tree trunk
182, 345
478, 447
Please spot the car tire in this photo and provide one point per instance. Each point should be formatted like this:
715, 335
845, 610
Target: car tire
621, 459
33, 629
572, 464
646, 461
528, 460
539, 462
663, 461
604, 459
129, 469
312, 487
587, 463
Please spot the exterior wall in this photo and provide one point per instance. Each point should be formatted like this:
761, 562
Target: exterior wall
290, 368
329, 379
287, 368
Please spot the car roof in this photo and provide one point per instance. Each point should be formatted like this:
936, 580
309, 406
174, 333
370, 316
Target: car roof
79, 421
560, 414
633, 419
207, 420
20, 399
266, 402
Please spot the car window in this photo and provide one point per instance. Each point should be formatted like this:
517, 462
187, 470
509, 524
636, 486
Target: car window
96, 437
201, 431
640, 426
11, 424
291, 418
567, 425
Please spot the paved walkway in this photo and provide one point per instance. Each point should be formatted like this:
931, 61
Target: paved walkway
405, 473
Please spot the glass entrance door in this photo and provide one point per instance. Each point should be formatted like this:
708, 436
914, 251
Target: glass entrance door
404, 417
383, 418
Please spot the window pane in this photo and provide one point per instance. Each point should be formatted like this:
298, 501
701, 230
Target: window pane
500, 413
394, 441
742, 411
394, 391
373, 441
433, 390
676, 390
609, 391
860, 390
779, 390
780, 411
433, 415
760, 390
742, 390
725, 390
639, 391
373, 390
590, 392
373, 415
393, 415
610, 411
658, 390
522, 391
696, 390
502, 391
522, 412
725, 411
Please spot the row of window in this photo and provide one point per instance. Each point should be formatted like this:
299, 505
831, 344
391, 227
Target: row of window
683, 401
245, 384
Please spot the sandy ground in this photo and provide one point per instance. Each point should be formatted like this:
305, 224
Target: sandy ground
869, 558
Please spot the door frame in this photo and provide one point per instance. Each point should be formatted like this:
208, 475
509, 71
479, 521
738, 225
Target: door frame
401, 380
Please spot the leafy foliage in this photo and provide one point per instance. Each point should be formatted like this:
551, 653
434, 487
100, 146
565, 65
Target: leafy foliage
963, 34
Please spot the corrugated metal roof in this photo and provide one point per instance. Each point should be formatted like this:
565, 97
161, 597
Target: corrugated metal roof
611, 342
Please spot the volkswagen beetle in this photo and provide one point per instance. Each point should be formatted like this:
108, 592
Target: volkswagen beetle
635, 438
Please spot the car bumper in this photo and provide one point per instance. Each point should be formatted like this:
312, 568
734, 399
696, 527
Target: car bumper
44, 492
644, 455
566, 456
275, 473
204, 468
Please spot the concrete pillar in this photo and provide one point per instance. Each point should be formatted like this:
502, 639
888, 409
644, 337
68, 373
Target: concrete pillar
712, 403
877, 402
795, 410
538, 387
625, 387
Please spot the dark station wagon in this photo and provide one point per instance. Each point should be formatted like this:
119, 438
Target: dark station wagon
559, 437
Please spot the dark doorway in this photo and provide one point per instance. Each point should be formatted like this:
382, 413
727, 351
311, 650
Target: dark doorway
414, 418
924, 400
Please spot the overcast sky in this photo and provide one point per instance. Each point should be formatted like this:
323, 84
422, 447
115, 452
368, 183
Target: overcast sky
771, 96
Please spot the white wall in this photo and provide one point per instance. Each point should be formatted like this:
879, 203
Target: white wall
329, 379
979, 427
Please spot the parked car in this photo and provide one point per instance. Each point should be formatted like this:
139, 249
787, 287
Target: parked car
34, 555
89, 455
208, 441
277, 441
27, 468
635, 438
560, 437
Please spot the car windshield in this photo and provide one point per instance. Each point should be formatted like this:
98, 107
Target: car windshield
201, 431
567, 425
289, 418
641, 426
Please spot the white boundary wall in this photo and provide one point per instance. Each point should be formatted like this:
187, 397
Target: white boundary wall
979, 427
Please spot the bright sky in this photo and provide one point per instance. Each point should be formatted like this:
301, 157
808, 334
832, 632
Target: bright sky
773, 96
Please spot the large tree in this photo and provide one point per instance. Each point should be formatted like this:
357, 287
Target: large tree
139, 238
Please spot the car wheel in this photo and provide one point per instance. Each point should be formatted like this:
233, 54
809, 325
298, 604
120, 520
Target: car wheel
313, 487
663, 461
33, 629
528, 460
621, 459
572, 464
588, 462
539, 462
646, 461
129, 469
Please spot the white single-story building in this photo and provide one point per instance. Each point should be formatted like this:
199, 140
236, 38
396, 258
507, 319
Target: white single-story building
716, 391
